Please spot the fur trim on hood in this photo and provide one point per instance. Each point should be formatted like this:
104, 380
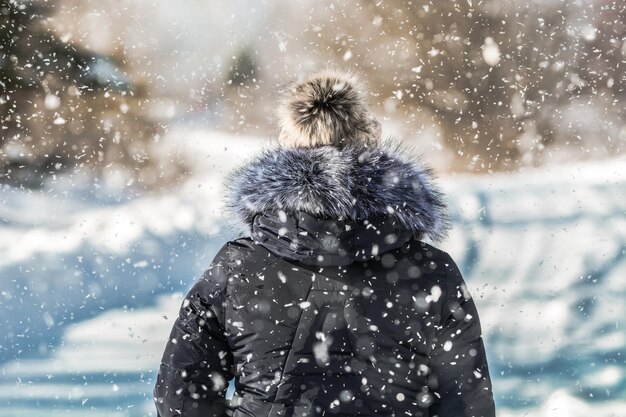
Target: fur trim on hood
356, 182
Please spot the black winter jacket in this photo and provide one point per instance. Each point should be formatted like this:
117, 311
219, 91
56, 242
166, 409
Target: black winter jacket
333, 304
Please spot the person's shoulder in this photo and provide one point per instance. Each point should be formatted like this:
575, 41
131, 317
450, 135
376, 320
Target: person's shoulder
234, 246
428, 253
240, 247
446, 270
436, 265
241, 243
227, 259
240, 252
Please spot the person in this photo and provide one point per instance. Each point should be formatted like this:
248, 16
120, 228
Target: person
331, 302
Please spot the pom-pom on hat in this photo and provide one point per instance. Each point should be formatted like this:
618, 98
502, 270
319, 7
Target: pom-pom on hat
327, 108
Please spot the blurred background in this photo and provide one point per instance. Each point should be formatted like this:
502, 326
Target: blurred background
120, 119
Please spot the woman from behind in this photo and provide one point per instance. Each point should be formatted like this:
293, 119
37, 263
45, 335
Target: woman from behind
331, 303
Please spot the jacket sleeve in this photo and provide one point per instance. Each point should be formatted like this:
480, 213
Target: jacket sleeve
459, 372
197, 363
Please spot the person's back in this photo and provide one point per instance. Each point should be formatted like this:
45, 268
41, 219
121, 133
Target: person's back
331, 304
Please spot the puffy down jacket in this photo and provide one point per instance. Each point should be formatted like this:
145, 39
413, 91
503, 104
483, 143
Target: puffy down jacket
332, 303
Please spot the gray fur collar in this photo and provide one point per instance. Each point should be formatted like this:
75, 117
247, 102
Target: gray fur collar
358, 181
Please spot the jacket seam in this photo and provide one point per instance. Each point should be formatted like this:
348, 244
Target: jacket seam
443, 316
185, 388
228, 274
290, 352
448, 292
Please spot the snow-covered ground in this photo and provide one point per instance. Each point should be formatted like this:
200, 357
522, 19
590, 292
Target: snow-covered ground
90, 282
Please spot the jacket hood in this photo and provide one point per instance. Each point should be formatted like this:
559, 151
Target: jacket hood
332, 205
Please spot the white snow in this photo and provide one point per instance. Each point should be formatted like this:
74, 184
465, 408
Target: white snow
491, 52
